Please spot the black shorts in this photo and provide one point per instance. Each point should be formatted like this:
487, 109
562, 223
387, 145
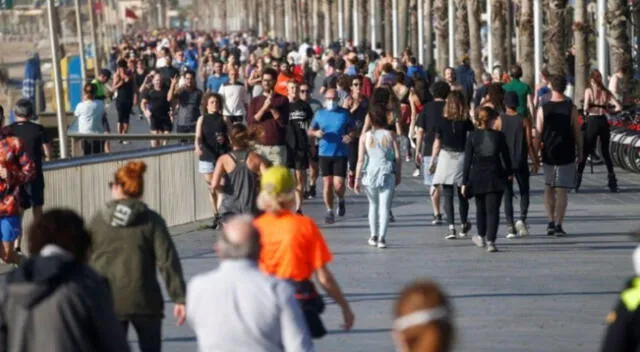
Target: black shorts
124, 111
333, 166
236, 119
297, 160
32, 193
161, 124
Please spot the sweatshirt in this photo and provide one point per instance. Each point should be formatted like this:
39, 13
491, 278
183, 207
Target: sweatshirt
130, 243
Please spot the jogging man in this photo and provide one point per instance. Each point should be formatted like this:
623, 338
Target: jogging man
300, 116
333, 127
305, 95
235, 99
557, 124
156, 107
186, 101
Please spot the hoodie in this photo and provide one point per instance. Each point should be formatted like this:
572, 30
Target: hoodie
59, 303
130, 244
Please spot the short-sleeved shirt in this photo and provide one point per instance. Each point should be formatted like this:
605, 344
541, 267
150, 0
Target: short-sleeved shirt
292, 246
33, 137
300, 116
274, 130
215, 82
429, 119
453, 134
167, 73
522, 90
189, 107
335, 124
159, 106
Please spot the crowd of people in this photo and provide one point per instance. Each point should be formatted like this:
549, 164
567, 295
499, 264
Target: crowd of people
262, 142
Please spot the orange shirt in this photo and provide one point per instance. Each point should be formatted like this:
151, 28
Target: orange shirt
283, 79
292, 246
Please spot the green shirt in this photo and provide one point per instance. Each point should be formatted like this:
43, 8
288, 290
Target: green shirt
522, 90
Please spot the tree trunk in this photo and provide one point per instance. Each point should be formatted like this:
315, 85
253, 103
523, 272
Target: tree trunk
279, 18
413, 26
509, 33
317, 23
498, 30
527, 42
473, 14
295, 24
554, 36
364, 20
402, 24
388, 25
223, 16
328, 33
462, 29
272, 17
335, 27
305, 20
428, 33
618, 15
347, 15
580, 30
440, 12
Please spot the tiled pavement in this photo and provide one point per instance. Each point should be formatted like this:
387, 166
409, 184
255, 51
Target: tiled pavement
537, 294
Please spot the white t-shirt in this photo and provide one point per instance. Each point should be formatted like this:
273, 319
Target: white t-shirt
89, 116
235, 98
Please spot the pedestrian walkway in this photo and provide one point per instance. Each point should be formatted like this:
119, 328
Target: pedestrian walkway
538, 294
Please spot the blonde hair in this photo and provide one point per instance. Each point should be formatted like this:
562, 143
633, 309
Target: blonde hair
275, 203
455, 108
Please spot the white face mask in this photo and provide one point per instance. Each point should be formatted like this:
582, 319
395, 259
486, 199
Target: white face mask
162, 62
331, 104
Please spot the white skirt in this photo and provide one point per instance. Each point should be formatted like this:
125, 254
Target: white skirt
449, 168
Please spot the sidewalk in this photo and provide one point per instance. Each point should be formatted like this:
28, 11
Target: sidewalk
537, 294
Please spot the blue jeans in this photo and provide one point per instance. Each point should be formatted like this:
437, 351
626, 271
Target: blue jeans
379, 206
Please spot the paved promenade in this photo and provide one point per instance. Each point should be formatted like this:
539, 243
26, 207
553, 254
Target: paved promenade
536, 294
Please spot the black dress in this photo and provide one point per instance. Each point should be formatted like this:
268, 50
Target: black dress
487, 163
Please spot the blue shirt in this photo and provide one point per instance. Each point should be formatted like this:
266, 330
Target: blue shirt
335, 124
215, 82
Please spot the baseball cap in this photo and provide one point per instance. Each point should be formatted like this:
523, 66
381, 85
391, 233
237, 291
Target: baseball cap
511, 100
277, 180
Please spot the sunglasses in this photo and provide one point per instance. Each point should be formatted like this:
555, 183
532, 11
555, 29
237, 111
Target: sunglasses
304, 91
111, 184
356, 84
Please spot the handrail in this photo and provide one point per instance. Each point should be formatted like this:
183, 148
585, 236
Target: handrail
107, 157
131, 136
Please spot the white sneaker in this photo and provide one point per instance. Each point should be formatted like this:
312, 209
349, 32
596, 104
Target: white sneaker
511, 233
373, 241
522, 228
478, 241
382, 244
491, 247
416, 173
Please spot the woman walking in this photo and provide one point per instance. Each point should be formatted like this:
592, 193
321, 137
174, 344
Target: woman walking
448, 150
240, 170
380, 175
124, 85
210, 143
487, 166
358, 105
596, 104
130, 244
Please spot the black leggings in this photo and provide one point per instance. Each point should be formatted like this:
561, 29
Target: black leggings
353, 154
463, 204
596, 126
488, 214
522, 176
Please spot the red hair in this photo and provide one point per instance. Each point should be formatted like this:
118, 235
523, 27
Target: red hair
130, 177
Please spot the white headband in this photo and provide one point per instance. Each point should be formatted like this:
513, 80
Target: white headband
420, 317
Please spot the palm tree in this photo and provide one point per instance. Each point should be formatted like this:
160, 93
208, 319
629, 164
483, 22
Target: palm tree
527, 42
440, 12
347, 15
388, 23
498, 30
473, 14
580, 28
403, 9
554, 36
413, 25
305, 18
462, 29
279, 18
428, 33
618, 15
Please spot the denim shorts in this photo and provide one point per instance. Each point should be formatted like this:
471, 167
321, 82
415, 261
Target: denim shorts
206, 167
428, 178
10, 227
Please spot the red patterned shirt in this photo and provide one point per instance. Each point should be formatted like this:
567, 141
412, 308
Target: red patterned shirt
20, 170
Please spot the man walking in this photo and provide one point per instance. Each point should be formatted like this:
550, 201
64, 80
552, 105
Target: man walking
270, 111
236, 307
557, 123
523, 90
234, 98
186, 102
217, 78
333, 127
305, 95
36, 145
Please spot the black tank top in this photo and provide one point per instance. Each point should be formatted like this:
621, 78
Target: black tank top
125, 92
559, 147
516, 140
212, 126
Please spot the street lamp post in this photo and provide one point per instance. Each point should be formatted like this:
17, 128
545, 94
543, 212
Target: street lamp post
602, 38
452, 32
489, 36
340, 20
394, 20
420, 32
83, 62
57, 79
537, 37
372, 16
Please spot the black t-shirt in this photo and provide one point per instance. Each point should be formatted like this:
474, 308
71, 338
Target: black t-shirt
213, 126
139, 78
330, 81
158, 104
453, 134
33, 137
151, 59
300, 116
429, 119
360, 115
167, 73
189, 107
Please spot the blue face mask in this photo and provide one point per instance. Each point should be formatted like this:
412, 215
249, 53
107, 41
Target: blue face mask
331, 104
